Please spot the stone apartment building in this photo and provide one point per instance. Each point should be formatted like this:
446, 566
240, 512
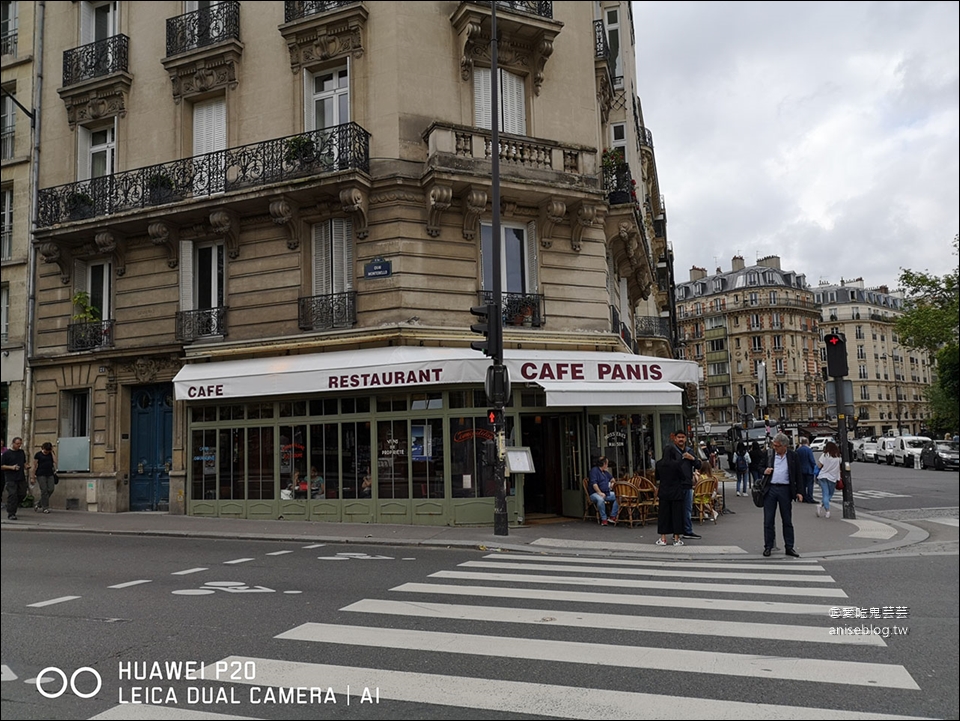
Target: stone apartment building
889, 380
18, 50
261, 227
754, 330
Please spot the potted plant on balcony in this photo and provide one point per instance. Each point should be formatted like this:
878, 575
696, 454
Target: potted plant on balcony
160, 188
299, 150
611, 161
79, 205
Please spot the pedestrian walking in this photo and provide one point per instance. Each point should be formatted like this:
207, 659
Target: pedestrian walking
671, 501
681, 453
44, 473
741, 464
829, 463
808, 468
783, 472
13, 462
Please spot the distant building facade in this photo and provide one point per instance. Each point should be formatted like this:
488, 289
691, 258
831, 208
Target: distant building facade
889, 380
754, 330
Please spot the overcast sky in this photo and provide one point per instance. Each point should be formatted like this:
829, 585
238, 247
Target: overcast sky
826, 133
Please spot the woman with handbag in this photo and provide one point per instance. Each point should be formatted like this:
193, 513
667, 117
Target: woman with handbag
829, 465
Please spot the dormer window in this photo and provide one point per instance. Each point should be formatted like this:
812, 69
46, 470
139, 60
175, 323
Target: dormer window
753, 278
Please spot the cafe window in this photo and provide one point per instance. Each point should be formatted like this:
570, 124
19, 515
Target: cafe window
393, 473
426, 457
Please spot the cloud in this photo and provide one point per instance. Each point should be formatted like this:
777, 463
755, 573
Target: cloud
828, 133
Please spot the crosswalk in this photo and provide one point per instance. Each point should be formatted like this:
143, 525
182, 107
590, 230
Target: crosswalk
669, 617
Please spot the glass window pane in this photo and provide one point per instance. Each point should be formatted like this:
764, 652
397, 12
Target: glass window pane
203, 484
231, 463
426, 455
392, 469
344, 109
261, 481
513, 246
357, 473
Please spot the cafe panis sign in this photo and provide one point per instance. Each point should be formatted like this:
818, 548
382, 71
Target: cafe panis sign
407, 367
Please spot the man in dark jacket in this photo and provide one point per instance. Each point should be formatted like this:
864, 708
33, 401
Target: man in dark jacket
785, 483
678, 452
14, 463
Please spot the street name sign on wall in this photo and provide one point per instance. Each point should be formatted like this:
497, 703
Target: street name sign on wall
378, 269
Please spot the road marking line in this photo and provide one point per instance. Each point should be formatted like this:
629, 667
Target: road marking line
945, 521
188, 571
736, 565
635, 583
653, 624
62, 599
532, 566
316, 545
279, 553
519, 697
617, 546
623, 599
236, 560
130, 583
872, 529
811, 670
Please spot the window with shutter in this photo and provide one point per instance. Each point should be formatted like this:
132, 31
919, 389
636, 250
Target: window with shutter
333, 257
517, 272
210, 136
98, 21
208, 271
513, 114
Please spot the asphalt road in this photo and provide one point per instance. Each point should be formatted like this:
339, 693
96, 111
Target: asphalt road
506, 636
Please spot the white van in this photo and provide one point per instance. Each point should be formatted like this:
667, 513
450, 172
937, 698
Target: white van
885, 448
906, 450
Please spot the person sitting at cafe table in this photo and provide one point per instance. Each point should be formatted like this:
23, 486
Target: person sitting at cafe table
366, 487
315, 481
601, 492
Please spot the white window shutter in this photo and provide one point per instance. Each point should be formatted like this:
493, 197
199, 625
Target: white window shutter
87, 23
532, 260
512, 103
481, 98
83, 151
322, 266
186, 275
343, 254
209, 126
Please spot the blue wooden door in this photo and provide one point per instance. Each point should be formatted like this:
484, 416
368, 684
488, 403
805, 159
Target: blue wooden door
151, 447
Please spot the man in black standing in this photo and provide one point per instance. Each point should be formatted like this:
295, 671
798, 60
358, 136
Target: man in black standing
13, 463
680, 453
785, 483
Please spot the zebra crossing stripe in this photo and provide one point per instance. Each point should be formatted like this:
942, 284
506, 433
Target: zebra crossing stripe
814, 670
732, 565
519, 697
635, 583
623, 599
654, 624
533, 566
146, 712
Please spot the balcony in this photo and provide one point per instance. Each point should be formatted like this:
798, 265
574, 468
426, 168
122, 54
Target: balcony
652, 326
195, 324
95, 60
90, 335
518, 309
8, 43
603, 52
618, 183
318, 152
299, 10
208, 26
328, 312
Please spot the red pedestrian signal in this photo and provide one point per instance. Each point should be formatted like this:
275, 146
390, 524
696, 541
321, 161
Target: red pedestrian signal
836, 355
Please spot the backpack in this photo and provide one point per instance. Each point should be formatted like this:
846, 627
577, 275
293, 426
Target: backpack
741, 463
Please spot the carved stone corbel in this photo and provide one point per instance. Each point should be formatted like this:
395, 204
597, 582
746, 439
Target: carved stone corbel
110, 241
52, 252
470, 32
287, 216
167, 235
438, 200
541, 55
226, 223
354, 202
508, 208
586, 218
551, 215
474, 203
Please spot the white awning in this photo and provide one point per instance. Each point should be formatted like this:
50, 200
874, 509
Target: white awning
376, 369
625, 393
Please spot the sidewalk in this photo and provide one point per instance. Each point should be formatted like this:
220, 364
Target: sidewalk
737, 535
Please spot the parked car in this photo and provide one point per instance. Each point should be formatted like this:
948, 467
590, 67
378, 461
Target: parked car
906, 451
885, 448
819, 443
940, 455
865, 449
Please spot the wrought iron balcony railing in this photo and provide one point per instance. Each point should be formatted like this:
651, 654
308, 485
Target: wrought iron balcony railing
194, 324
8, 139
646, 138
95, 60
326, 312
200, 28
618, 182
299, 10
343, 147
652, 326
519, 309
543, 9
90, 335
8, 44
603, 49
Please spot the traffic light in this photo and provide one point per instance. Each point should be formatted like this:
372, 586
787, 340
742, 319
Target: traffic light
836, 355
489, 327
495, 417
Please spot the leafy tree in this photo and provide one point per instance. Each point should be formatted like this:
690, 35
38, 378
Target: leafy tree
932, 323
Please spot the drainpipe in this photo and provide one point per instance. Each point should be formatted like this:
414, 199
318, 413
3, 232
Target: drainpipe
32, 251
